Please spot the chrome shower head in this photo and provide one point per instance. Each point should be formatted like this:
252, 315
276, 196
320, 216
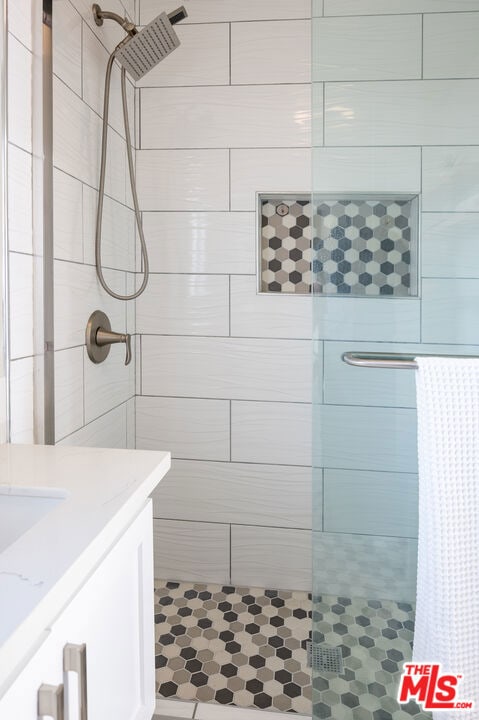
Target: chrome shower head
144, 49
141, 52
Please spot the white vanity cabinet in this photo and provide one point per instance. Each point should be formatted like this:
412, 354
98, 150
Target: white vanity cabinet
112, 615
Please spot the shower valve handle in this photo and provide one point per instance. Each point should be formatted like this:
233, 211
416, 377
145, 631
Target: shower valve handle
107, 337
100, 337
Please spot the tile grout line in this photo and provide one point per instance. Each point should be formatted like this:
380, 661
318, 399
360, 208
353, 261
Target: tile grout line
230, 49
422, 46
231, 555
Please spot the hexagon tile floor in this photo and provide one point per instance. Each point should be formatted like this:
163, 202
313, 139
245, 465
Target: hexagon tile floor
375, 638
233, 646
247, 647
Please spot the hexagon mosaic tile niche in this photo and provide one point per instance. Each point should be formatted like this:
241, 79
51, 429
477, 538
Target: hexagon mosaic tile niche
357, 246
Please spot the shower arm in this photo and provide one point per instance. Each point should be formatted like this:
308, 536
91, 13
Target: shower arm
100, 15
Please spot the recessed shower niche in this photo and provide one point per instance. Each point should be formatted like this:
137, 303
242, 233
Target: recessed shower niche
358, 245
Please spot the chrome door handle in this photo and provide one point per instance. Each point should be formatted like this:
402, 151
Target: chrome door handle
50, 701
74, 660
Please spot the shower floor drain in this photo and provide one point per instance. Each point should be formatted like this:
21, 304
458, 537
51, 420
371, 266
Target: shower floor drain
325, 659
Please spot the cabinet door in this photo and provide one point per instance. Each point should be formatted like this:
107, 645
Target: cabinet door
113, 615
45, 667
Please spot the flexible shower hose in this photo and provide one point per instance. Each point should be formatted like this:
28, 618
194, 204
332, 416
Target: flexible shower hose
101, 190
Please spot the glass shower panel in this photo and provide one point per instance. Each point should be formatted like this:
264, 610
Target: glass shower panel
394, 191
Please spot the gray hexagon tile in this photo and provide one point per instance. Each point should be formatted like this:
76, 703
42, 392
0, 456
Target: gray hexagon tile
361, 247
375, 638
233, 646
247, 647
286, 245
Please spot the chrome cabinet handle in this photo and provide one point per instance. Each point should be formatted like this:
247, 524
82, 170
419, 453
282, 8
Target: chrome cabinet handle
50, 701
74, 660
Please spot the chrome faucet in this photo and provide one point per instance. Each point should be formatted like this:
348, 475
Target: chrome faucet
100, 337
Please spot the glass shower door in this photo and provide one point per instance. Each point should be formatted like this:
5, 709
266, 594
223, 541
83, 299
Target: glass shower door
396, 270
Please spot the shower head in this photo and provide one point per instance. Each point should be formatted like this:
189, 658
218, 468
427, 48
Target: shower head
144, 49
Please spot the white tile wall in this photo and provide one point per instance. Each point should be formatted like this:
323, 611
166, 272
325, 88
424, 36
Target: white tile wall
69, 394
94, 401
21, 401
74, 123
190, 429
386, 7
67, 44
77, 295
268, 170
348, 48
131, 424
450, 45
110, 33
20, 21
427, 112
359, 319
185, 305
190, 64
450, 179
118, 232
21, 305
76, 146
197, 552
370, 503
109, 384
268, 315
230, 368
183, 179
347, 385
19, 94
449, 310
439, 232
173, 118
201, 242
259, 556
258, 55
67, 217
381, 439
222, 492
371, 169
365, 566
213, 11
225, 116
95, 58
109, 431
20, 237
278, 433
20, 221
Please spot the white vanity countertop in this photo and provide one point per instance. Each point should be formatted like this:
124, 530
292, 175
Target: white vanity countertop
103, 490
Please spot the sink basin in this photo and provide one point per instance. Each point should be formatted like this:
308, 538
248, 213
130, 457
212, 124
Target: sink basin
21, 508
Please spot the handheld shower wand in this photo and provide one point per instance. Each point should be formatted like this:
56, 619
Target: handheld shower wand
138, 53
